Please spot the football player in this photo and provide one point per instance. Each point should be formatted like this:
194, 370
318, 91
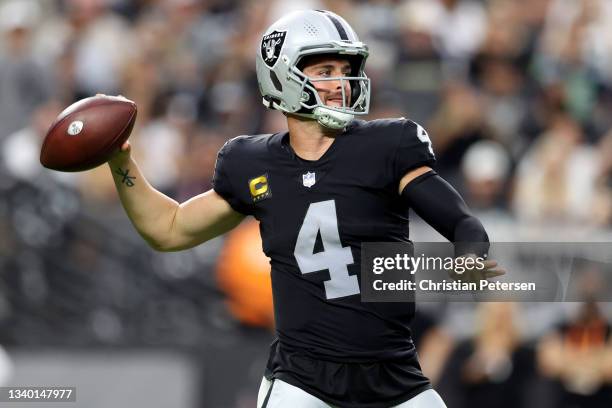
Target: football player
319, 190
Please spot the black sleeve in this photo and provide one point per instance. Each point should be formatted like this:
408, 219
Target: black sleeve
222, 183
414, 150
441, 206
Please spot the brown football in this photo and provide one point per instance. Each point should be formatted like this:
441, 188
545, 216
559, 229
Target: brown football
87, 133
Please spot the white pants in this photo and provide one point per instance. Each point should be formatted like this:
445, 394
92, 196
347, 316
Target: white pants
279, 394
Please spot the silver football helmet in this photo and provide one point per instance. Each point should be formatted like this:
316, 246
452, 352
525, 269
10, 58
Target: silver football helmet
284, 86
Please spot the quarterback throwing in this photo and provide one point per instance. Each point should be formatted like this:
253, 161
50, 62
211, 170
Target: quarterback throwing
319, 190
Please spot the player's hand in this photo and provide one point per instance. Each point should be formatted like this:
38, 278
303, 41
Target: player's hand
477, 271
122, 154
126, 147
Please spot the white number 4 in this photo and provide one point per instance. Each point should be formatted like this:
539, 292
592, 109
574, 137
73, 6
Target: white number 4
321, 217
424, 137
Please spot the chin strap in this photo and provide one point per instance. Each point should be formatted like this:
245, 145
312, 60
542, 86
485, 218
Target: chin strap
331, 118
324, 116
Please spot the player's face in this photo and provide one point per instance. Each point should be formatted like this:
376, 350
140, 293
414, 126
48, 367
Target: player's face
322, 67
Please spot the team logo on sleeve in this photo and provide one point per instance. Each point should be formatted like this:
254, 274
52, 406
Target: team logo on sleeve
309, 179
259, 187
271, 46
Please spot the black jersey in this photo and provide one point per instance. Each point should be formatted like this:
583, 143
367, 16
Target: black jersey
313, 216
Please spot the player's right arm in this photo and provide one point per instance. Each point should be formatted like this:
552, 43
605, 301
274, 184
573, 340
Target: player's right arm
164, 223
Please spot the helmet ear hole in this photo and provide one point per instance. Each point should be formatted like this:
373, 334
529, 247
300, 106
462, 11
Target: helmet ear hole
308, 97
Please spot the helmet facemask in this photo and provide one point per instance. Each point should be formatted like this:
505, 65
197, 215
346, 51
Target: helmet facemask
335, 117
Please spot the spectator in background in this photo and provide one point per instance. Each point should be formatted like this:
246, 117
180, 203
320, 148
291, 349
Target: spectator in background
85, 47
575, 35
485, 167
417, 72
459, 30
456, 125
195, 167
164, 142
555, 181
602, 212
574, 55
24, 84
499, 71
20, 151
456, 27
494, 368
578, 358
102, 42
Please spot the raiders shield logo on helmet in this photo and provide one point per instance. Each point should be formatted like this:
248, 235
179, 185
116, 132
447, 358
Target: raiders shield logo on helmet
271, 46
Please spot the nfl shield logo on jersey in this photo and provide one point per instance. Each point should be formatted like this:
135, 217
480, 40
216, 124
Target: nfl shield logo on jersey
309, 179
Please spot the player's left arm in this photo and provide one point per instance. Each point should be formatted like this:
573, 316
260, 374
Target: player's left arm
442, 207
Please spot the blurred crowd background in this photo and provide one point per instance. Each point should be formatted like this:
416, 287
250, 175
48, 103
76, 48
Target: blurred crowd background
516, 96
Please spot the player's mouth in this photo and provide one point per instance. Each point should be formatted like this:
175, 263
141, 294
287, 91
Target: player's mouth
335, 101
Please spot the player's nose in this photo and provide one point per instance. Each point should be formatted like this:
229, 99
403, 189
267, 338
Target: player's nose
336, 84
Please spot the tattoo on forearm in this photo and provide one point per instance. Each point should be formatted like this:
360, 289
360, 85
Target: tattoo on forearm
127, 179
